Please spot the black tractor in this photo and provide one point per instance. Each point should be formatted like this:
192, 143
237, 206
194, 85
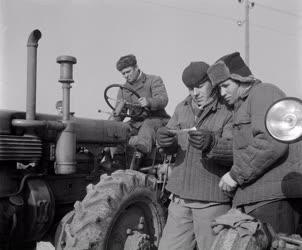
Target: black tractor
58, 183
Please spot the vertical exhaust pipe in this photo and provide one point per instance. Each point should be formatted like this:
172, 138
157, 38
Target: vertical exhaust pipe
32, 45
30, 122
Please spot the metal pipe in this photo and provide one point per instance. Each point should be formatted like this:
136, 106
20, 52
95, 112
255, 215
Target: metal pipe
66, 101
247, 32
66, 143
297, 242
55, 125
21, 186
32, 45
66, 72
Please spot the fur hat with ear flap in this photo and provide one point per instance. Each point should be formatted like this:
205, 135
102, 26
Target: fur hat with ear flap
230, 66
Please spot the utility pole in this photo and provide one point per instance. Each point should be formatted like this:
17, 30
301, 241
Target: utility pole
247, 6
247, 32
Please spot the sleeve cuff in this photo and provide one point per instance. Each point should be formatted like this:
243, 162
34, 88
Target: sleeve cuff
149, 100
212, 144
235, 176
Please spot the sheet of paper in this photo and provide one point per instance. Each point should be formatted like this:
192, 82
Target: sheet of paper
185, 130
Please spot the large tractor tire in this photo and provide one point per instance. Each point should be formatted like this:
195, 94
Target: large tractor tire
120, 212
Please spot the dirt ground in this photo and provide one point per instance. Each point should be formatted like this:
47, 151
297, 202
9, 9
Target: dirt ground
45, 246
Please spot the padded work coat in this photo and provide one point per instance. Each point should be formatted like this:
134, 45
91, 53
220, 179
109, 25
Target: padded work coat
264, 168
151, 87
196, 176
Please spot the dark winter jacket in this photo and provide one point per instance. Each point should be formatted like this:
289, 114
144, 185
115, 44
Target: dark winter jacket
196, 176
151, 87
264, 168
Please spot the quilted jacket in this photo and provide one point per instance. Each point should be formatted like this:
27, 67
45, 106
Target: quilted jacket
264, 168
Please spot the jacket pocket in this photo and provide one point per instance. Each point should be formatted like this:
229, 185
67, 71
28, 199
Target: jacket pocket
242, 131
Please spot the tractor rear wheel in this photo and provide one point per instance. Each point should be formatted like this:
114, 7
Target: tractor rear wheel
120, 212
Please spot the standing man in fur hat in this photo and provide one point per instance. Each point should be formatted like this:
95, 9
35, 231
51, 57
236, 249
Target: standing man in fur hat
204, 155
153, 99
266, 174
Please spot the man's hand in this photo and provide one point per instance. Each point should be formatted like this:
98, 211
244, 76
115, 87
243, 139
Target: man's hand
143, 102
165, 138
227, 184
201, 139
119, 107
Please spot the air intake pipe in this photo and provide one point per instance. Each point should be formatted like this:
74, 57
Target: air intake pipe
66, 144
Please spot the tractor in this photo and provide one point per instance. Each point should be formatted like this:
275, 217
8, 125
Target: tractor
56, 185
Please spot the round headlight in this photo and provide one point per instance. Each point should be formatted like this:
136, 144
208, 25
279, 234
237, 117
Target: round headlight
283, 120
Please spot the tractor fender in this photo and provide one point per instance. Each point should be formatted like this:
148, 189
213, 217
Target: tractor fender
39, 209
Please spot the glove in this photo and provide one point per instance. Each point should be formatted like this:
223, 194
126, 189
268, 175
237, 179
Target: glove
165, 138
202, 139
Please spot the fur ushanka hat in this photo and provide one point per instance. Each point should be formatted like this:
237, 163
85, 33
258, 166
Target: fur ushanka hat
126, 61
230, 66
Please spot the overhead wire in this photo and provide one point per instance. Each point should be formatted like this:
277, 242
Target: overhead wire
270, 8
260, 26
189, 10
264, 27
285, 12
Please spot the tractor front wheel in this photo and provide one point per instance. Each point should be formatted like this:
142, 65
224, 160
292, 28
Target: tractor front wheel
120, 212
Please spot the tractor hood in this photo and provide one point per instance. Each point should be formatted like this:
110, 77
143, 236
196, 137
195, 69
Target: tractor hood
87, 130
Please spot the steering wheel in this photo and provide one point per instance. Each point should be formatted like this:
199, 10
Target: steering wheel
135, 108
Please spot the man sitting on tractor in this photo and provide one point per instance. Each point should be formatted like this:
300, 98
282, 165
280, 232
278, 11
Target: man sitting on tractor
148, 96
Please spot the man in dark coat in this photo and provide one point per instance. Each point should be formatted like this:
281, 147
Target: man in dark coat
153, 99
204, 155
266, 174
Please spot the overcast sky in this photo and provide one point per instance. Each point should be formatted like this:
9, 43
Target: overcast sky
165, 36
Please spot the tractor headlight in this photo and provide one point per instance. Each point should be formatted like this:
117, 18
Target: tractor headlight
283, 120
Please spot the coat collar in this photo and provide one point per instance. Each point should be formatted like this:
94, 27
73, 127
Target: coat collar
138, 84
141, 79
245, 95
215, 104
201, 114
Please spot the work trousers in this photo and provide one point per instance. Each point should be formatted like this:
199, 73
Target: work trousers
187, 227
144, 141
